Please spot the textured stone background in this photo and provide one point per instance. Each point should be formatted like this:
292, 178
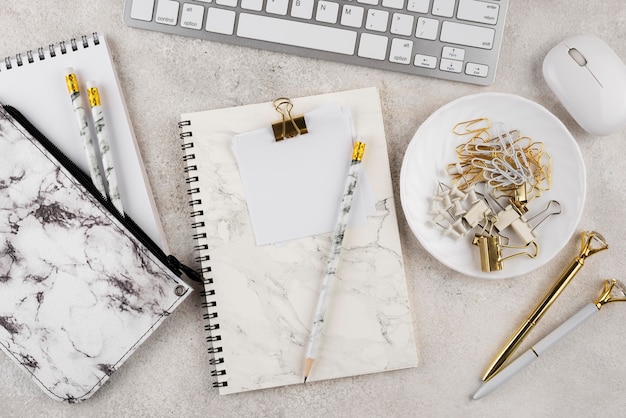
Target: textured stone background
459, 321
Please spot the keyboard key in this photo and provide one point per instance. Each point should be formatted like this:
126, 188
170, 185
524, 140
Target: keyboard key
142, 10
377, 20
302, 9
402, 24
444, 8
277, 7
191, 16
401, 51
418, 6
394, 4
370, 2
453, 53
478, 70
327, 12
256, 5
229, 3
478, 11
425, 61
373, 46
220, 21
469, 35
452, 66
289, 32
167, 12
427, 28
352, 16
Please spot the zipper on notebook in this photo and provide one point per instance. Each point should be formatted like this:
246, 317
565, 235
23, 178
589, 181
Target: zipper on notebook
169, 260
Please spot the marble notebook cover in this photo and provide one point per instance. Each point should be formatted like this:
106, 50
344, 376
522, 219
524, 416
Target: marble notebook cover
78, 292
261, 299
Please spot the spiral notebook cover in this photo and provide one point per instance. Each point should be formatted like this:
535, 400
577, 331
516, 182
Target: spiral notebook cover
261, 300
33, 81
78, 292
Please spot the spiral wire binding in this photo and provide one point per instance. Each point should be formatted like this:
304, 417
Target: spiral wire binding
20, 59
211, 316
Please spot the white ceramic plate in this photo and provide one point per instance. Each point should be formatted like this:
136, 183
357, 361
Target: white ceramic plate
433, 148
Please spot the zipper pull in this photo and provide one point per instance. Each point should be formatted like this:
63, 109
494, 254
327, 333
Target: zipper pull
177, 266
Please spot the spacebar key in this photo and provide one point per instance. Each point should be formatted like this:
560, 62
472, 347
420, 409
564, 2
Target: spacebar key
288, 32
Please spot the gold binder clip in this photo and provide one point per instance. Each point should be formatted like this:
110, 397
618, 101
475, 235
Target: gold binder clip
289, 126
520, 197
490, 249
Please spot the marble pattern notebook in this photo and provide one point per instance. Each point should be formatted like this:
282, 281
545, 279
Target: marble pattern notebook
79, 292
261, 299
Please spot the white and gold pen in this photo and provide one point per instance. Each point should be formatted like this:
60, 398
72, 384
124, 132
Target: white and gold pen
102, 133
591, 243
83, 129
333, 257
542, 346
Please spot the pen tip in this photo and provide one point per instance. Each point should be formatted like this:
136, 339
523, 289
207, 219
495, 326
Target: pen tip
488, 374
477, 395
305, 377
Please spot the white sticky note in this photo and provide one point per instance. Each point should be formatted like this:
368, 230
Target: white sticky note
293, 187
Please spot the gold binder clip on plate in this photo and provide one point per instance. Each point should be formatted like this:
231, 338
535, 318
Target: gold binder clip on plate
289, 126
490, 248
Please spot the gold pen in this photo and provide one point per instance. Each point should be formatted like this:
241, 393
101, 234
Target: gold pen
555, 336
592, 242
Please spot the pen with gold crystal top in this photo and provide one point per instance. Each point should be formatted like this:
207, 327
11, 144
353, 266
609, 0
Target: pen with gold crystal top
104, 146
333, 257
83, 129
548, 341
592, 242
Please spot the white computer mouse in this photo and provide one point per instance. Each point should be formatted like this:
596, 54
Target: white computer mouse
589, 79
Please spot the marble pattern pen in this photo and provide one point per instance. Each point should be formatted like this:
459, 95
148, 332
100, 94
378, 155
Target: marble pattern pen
104, 146
333, 258
83, 128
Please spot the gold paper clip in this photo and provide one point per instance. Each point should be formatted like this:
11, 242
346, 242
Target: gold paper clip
474, 126
289, 126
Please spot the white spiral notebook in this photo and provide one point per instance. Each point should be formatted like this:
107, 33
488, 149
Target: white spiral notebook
33, 82
261, 299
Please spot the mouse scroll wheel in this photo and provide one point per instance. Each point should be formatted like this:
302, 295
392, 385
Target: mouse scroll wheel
577, 56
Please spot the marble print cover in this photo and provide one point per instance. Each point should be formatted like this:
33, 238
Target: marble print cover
263, 298
78, 293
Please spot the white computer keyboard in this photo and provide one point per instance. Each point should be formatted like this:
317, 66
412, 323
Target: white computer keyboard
450, 39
